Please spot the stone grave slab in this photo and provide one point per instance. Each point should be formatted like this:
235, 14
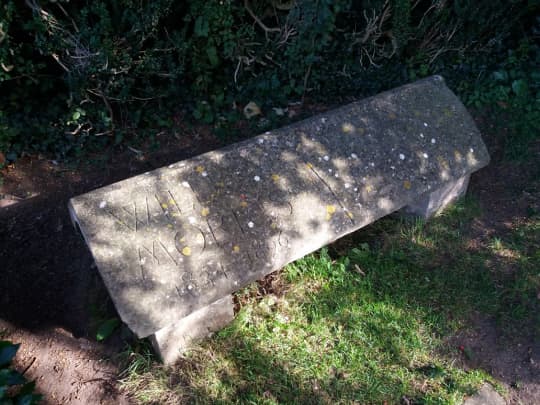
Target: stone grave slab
176, 239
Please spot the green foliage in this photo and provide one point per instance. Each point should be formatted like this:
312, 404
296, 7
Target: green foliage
511, 91
14, 389
107, 328
79, 76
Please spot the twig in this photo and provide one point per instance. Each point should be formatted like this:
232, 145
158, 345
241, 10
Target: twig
258, 21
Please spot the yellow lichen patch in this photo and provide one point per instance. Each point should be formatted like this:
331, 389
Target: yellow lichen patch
350, 215
169, 226
205, 211
369, 188
407, 185
275, 177
176, 214
199, 169
164, 206
273, 225
309, 165
243, 204
171, 201
330, 210
348, 128
186, 251
220, 184
457, 155
447, 112
236, 248
443, 163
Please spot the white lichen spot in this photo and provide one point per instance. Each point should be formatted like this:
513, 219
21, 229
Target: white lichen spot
355, 189
393, 167
250, 224
102, 204
347, 185
425, 155
256, 178
472, 150
329, 170
323, 120
372, 164
421, 135
185, 184
190, 287
192, 220
425, 124
326, 158
401, 156
261, 141
336, 175
433, 140
354, 155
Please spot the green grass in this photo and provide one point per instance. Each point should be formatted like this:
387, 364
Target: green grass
370, 326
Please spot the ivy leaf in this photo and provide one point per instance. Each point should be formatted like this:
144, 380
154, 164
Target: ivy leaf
106, 329
201, 27
212, 56
7, 352
500, 75
520, 87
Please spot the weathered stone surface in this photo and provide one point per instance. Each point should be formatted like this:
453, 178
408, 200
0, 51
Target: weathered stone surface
434, 202
171, 341
176, 239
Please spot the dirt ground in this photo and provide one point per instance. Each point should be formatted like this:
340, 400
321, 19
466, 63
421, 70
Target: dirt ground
49, 283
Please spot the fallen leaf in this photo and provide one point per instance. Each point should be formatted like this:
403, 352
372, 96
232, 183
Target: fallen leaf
251, 110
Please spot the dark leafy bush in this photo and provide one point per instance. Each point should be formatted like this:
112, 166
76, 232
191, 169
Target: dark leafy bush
78, 76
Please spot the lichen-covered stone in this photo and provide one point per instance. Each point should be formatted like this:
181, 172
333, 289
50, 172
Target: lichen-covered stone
178, 238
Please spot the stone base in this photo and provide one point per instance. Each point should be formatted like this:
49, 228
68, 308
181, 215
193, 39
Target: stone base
433, 203
171, 341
